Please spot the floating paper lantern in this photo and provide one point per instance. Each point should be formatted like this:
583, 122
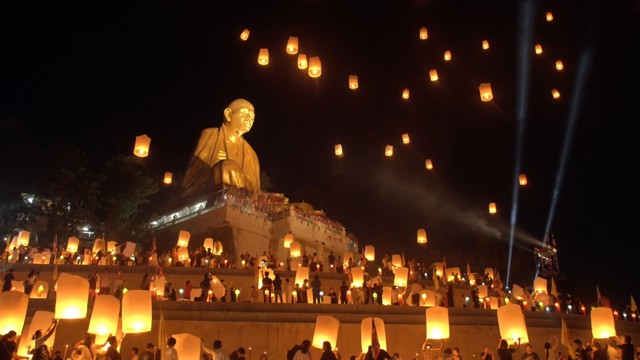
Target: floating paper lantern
72, 295
40, 290
346, 257
424, 35
405, 94
23, 238
428, 164
405, 139
485, 44
188, 346
451, 272
488, 272
438, 268
437, 321
104, 317
388, 151
158, 285
485, 92
183, 238
447, 55
217, 247
483, 291
72, 244
168, 177
540, 285
511, 323
422, 236
517, 291
136, 311
492, 208
549, 16
401, 276
302, 274
288, 237
494, 303
326, 330
302, 61
559, 65
315, 67
13, 311
244, 35
263, 56
208, 244
366, 326
295, 249
141, 147
433, 75
292, 45
538, 49
396, 260
41, 320
386, 295
602, 323
112, 247
338, 150
218, 287
522, 179
555, 93
183, 254
370, 252
353, 82
98, 245
357, 277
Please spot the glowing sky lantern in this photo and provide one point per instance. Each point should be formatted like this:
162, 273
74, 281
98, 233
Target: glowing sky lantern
427, 298
538, 49
450, 273
112, 247
369, 252
302, 61
288, 237
422, 236
338, 150
559, 65
72, 244
492, 208
485, 92
540, 285
405, 94
326, 330
396, 260
388, 151
405, 139
244, 35
353, 82
98, 245
549, 16
141, 147
263, 56
188, 346
168, 177
13, 310
41, 320
292, 45
136, 311
483, 291
447, 55
105, 315
366, 326
208, 244
555, 93
511, 323
302, 274
485, 44
602, 323
183, 254
433, 75
428, 164
23, 238
522, 179
295, 249
183, 238
357, 277
72, 296
424, 34
437, 322
401, 277
315, 67
40, 290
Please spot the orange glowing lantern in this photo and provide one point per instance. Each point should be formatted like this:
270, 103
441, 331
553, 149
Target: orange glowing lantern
98, 245
485, 44
168, 177
208, 244
295, 249
188, 346
522, 179
424, 34
40, 290
396, 260
549, 16
559, 65
292, 45
388, 151
72, 296
427, 298
136, 311
405, 94
386, 295
338, 150
437, 321
401, 277
315, 67
422, 236
112, 246
346, 257
518, 292
483, 291
183, 238
217, 247
492, 208
105, 314
405, 139
538, 49
438, 268
488, 272
353, 82
366, 326
494, 303
244, 36
72, 244
302, 274
511, 323
302, 61
428, 164
357, 277
41, 320
555, 93
23, 238
289, 238
450, 273
370, 252
447, 55
326, 330
602, 323
141, 147
158, 285
485, 92
13, 310
263, 56
433, 75
183, 254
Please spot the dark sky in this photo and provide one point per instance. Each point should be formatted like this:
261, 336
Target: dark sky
98, 74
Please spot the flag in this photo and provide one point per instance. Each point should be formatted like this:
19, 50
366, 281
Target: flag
444, 265
598, 296
554, 289
633, 305
374, 334
565, 337
468, 270
162, 335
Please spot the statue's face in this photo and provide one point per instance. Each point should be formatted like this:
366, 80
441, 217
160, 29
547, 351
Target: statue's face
241, 119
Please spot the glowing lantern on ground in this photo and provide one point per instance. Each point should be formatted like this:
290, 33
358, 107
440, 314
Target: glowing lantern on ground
245, 34
518, 292
168, 177
188, 346
366, 326
338, 150
396, 260
263, 56
485, 44
422, 236
447, 55
353, 82
494, 303
183, 238
388, 151
405, 139
141, 147
288, 237
428, 164
292, 45
302, 274
294, 249
427, 298
559, 65
111, 247
555, 93
72, 244
208, 244
424, 35
433, 75
315, 67
104, 317
492, 208
602, 323
183, 254
511, 323
41, 320
72, 295
386, 295
98, 245
23, 238
437, 323
540, 285
485, 92
401, 276
522, 179
538, 49
326, 330
483, 291
357, 277
40, 290
405, 94
549, 16
13, 311
302, 61
451, 273
438, 268
136, 311
370, 252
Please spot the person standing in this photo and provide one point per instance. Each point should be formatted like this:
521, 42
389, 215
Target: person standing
217, 353
40, 350
529, 354
505, 352
316, 288
267, 287
415, 293
344, 299
105, 282
456, 353
134, 353
171, 353
287, 289
8, 278
486, 353
9, 346
327, 353
238, 354
277, 288
112, 351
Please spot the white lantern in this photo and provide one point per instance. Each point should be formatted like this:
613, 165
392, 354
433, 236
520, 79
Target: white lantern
315, 67
485, 44
338, 150
602, 323
437, 321
158, 284
326, 330
369, 253
357, 277
447, 55
450, 273
405, 94
183, 238
40, 290
489, 273
292, 45
188, 346
433, 75
104, 317
427, 298
494, 302
517, 291
396, 260
168, 177
538, 49
540, 285
386, 295
522, 179
405, 139
559, 65
346, 257
245, 34
483, 291
41, 320
302, 273
555, 93
428, 164
302, 61
183, 254
485, 92
388, 151
72, 296
208, 244
23, 238
13, 311
353, 82
366, 327
401, 276
136, 311
424, 35
72, 244
511, 323
438, 268
112, 247
288, 237
295, 249
98, 245
492, 208
549, 16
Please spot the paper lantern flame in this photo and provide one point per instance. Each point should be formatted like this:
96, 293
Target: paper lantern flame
302, 61
424, 34
405, 94
422, 236
292, 45
263, 56
315, 67
168, 177
245, 34
353, 82
485, 92
141, 148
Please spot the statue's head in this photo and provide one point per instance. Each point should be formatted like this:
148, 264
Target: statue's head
239, 116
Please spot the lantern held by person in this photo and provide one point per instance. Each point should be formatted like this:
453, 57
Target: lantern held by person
511, 323
136, 311
366, 326
437, 321
13, 310
72, 296
326, 330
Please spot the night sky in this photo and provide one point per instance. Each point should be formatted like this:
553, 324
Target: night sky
98, 74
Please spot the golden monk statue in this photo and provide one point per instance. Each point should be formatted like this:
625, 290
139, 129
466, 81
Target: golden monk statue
222, 155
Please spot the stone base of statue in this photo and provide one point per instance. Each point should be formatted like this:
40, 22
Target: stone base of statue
254, 222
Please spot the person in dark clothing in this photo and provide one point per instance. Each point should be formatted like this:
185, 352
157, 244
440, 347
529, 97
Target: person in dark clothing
626, 348
238, 354
343, 292
376, 353
581, 353
205, 285
598, 353
8, 278
8, 345
277, 288
112, 351
327, 354
316, 288
505, 352
267, 287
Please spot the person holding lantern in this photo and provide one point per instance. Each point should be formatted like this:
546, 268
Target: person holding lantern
41, 351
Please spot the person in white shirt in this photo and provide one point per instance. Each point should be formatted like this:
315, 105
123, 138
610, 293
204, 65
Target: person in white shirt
171, 353
217, 353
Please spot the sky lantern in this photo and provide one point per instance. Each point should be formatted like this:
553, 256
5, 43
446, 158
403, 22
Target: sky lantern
422, 236
602, 323
485, 44
388, 151
449, 273
244, 35
288, 237
72, 244
447, 55
98, 245
141, 147
483, 291
183, 238
302, 61
13, 311
492, 208
263, 56
369, 252
188, 346
357, 277
346, 257
105, 315
218, 288
424, 34
112, 247
183, 254
168, 177
540, 285
353, 82
217, 247
292, 45
427, 298
405, 94
401, 276
555, 93
72, 296
41, 320
208, 244
485, 92
40, 290
522, 179
302, 274
437, 322
538, 49
428, 164
136, 311
559, 65
386, 295
366, 326
511, 323
405, 138
326, 330
396, 260
517, 291
433, 75
294, 249
315, 67
549, 16
494, 302
488, 272
23, 238
338, 150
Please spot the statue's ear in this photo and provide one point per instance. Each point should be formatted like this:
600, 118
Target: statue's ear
227, 114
